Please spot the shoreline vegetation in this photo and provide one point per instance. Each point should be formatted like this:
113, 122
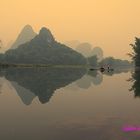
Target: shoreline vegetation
6, 65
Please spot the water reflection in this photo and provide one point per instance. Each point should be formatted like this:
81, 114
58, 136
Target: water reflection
91, 78
136, 82
99, 114
1, 84
42, 83
94, 78
25, 95
116, 71
97, 77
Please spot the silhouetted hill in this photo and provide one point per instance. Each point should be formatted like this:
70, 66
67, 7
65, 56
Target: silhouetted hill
44, 49
85, 49
88, 51
25, 35
97, 51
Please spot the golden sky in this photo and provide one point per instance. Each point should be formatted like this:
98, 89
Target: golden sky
110, 24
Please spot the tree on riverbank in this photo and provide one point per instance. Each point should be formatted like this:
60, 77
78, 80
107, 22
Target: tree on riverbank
136, 51
0, 43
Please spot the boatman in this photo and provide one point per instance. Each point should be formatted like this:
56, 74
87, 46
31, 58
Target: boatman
108, 67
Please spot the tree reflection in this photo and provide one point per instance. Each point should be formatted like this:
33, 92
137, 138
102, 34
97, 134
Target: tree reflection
136, 82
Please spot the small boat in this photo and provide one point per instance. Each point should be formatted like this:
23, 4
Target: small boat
102, 69
91, 69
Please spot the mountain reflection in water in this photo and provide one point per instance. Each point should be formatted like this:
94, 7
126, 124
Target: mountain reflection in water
43, 82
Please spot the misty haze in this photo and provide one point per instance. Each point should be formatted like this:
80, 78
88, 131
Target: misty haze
69, 70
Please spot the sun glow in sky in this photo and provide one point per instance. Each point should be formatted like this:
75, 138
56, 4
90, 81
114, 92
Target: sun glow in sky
110, 24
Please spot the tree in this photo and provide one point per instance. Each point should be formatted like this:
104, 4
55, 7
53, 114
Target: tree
0, 43
136, 51
92, 60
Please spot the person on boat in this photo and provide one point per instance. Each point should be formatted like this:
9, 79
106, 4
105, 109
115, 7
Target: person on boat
108, 67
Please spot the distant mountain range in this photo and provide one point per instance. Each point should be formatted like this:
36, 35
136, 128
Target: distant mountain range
42, 49
25, 35
86, 49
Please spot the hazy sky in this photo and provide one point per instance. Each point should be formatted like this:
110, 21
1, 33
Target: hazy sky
110, 24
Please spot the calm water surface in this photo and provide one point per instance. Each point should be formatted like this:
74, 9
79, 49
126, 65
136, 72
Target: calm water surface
68, 104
